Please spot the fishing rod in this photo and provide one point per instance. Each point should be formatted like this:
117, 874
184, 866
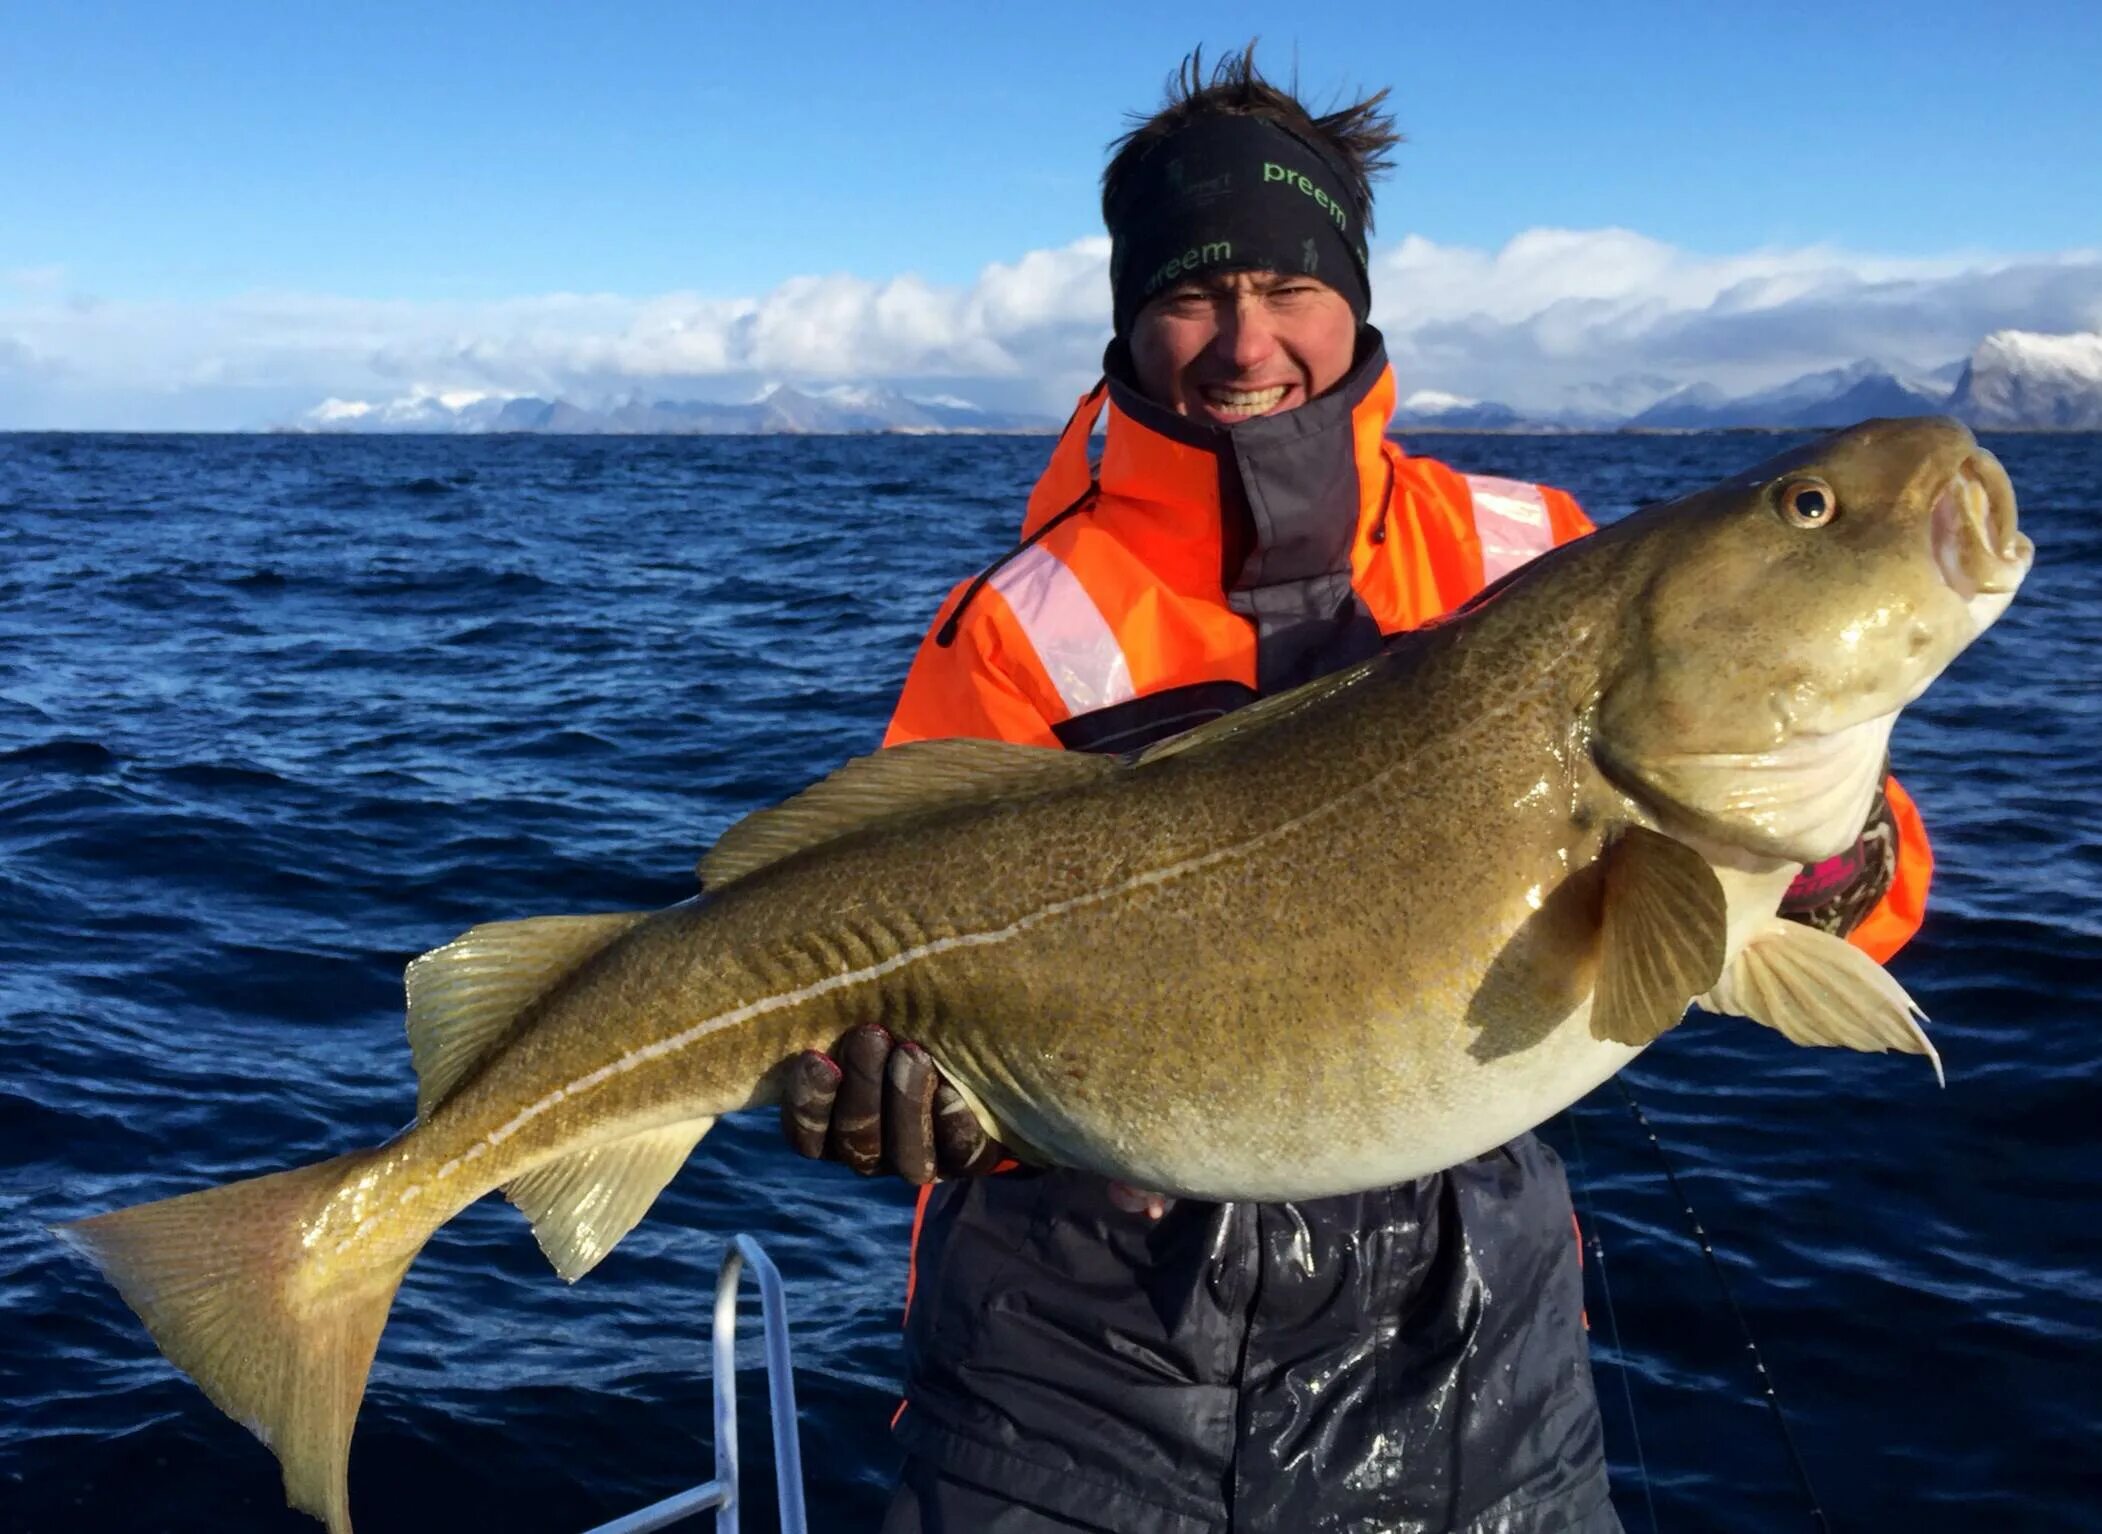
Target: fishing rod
1818, 1521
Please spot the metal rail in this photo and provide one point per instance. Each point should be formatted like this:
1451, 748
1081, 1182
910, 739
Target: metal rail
720, 1494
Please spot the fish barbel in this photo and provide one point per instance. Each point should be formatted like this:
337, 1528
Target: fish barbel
1481, 871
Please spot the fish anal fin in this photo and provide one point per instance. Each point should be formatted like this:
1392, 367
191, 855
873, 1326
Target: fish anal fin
1663, 924
897, 784
464, 997
1820, 990
583, 1203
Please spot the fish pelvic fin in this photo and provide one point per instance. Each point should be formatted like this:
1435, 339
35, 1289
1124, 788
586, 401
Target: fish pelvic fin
1664, 923
465, 997
583, 1203
1820, 990
228, 1290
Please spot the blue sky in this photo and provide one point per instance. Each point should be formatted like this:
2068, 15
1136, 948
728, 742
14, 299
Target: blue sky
444, 158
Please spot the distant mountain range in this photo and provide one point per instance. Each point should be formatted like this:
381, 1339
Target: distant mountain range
841, 410
1836, 397
2013, 380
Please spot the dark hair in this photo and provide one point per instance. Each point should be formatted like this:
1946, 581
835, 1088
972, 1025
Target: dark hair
1356, 137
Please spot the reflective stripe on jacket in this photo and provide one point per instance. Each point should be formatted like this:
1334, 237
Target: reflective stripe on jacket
1120, 589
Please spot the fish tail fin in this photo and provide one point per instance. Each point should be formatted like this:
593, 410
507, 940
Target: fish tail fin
279, 1342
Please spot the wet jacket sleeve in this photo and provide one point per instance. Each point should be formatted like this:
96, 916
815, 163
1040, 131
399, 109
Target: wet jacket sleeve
967, 687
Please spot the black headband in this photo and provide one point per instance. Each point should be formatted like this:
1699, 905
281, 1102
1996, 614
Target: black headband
1232, 193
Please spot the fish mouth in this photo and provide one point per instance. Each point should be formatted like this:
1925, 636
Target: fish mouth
1980, 550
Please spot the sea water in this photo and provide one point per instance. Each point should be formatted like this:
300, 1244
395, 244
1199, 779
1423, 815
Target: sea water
279, 713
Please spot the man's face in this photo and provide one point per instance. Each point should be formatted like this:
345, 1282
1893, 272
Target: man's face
1242, 344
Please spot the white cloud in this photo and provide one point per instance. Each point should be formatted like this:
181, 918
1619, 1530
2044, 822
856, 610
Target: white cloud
1556, 312
1553, 316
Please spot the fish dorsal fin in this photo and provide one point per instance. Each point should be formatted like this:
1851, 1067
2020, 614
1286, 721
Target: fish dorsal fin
1663, 925
888, 786
582, 1204
464, 997
1817, 989
1262, 712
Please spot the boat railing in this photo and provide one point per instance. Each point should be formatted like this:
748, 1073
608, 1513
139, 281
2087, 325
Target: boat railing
721, 1494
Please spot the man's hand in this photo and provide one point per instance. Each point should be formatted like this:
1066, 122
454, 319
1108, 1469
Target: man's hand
879, 1105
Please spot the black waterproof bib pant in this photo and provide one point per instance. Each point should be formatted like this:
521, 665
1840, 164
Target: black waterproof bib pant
1409, 1359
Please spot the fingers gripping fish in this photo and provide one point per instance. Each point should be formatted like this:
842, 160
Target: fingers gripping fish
1485, 869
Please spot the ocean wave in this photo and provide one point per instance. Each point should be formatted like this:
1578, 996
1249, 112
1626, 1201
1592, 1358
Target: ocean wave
301, 708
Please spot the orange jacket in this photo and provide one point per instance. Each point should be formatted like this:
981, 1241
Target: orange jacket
1119, 619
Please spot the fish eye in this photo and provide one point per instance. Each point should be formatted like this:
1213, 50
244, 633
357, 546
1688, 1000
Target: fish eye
1808, 503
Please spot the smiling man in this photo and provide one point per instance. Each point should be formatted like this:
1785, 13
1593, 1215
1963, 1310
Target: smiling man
1234, 345
1085, 1356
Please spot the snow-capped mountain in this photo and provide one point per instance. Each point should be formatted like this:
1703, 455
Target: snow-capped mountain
2014, 379
419, 410
1835, 397
780, 409
1434, 410
2019, 378
1603, 404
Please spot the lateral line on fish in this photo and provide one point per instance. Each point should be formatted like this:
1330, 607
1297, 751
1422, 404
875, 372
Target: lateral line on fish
934, 949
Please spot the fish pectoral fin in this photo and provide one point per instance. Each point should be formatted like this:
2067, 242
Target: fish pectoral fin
893, 785
1817, 989
1662, 929
583, 1203
464, 997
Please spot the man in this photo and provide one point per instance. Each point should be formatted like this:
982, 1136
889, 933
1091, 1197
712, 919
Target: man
1085, 1356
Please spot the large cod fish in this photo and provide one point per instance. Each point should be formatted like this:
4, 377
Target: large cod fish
1482, 872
